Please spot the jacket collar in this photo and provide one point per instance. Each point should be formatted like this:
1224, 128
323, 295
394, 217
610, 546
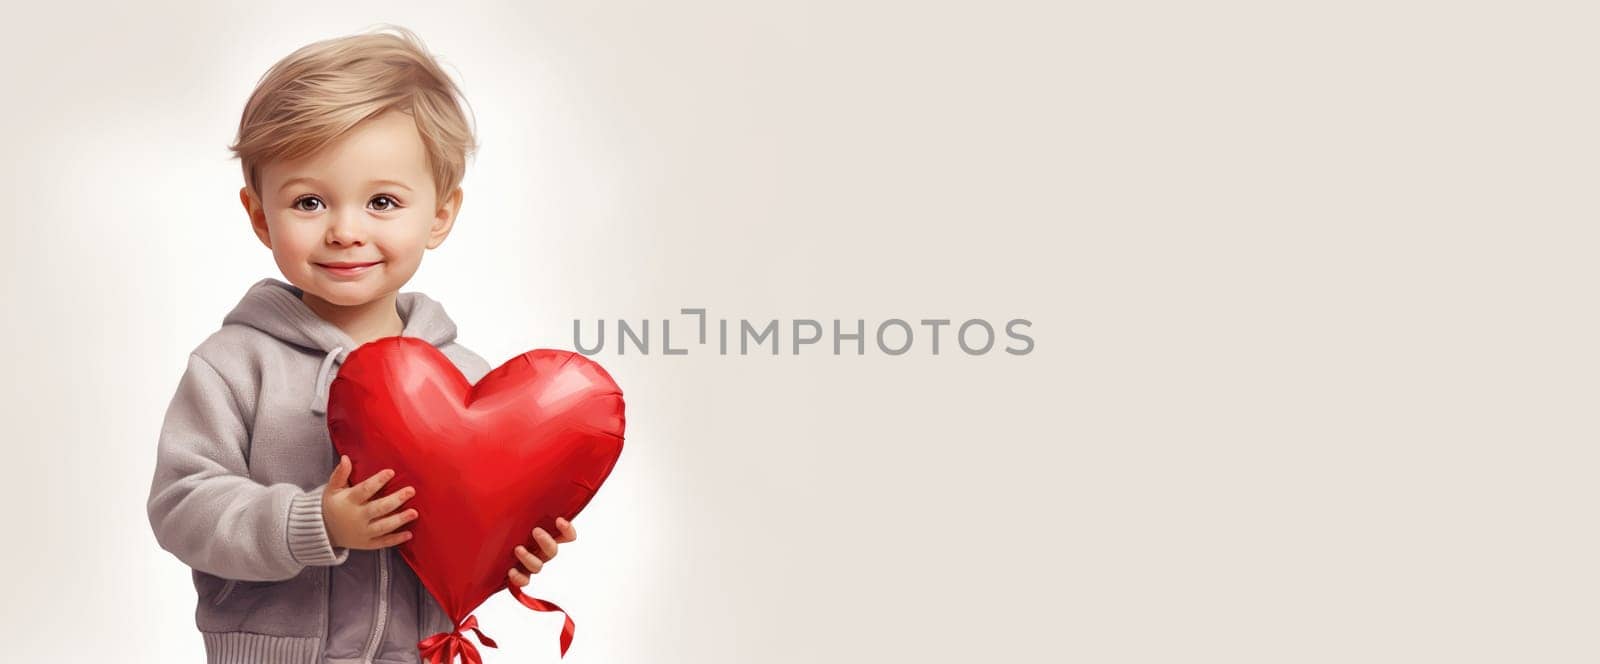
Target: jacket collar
274, 307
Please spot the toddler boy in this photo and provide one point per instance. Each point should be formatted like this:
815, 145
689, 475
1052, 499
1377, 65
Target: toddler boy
353, 150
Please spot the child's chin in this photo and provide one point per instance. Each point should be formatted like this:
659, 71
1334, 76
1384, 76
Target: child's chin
346, 294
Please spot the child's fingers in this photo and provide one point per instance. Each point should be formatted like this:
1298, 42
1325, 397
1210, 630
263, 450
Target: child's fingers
569, 532
368, 487
393, 539
547, 544
391, 522
517, 578
389, 503
341, 474
530, 561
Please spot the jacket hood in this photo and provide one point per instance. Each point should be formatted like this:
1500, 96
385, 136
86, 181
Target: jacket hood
275, 308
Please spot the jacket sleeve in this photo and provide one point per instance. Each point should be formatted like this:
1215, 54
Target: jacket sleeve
205, 508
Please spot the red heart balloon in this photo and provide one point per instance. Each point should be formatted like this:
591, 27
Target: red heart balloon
533, 440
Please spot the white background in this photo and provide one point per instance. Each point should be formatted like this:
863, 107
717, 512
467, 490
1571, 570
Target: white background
1312, 291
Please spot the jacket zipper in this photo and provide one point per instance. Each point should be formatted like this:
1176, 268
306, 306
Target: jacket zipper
383, 606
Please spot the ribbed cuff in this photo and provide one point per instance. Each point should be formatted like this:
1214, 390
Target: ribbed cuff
252, 648
308, 535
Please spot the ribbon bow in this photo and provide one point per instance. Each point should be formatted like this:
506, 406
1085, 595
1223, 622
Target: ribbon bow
443, 648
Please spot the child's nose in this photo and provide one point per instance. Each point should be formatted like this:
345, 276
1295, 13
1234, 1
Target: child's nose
345, 229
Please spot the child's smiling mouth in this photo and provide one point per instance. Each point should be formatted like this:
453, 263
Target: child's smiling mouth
346, 269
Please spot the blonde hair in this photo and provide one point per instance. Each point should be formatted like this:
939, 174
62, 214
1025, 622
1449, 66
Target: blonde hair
320, 91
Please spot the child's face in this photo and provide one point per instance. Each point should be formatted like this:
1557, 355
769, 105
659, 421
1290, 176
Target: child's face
332, 208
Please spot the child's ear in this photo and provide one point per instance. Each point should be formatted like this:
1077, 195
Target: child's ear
258, 217
445, 218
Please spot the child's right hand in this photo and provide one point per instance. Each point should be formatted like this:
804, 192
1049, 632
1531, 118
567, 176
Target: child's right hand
355, 523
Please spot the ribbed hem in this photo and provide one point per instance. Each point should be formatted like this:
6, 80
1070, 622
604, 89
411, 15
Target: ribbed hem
308, 535
252, 648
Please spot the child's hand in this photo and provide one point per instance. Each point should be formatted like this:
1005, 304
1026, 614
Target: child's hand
547, 546
355, 523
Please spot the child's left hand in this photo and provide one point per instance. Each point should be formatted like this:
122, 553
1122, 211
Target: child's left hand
547, 550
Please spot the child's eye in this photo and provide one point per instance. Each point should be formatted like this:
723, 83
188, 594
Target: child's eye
389, 203
393, 204
303, 199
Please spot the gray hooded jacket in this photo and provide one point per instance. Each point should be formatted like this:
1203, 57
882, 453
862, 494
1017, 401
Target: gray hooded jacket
242, 460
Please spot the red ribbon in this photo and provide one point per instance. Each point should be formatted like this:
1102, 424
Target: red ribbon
541, 605
443, 648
